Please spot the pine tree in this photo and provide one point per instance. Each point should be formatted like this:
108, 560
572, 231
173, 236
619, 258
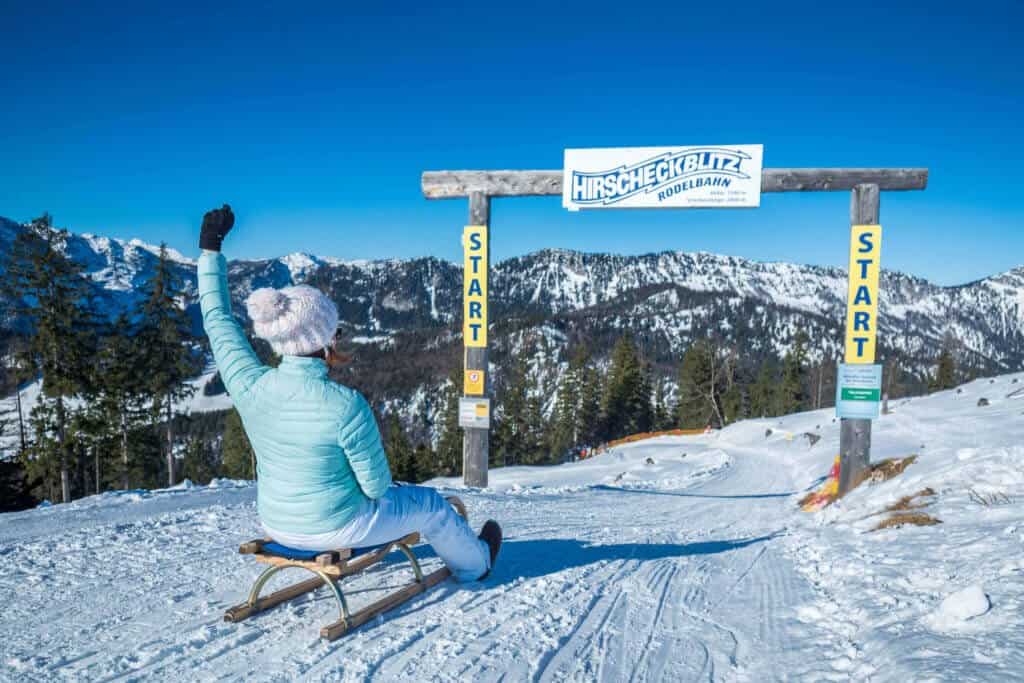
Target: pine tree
119, 405
50, 294
18, 370
497, 453
733, 403
735, 400
401, 457
238, 461
662, 413
449, 444
626, 405
565, 430
45, 456
5, 425
425, 461
792, 395
642, 408
534, 448
14, 487
762, 393
422, 426
945, 372
200, 465
513, 442
589, 415
86, 433
164, 331
700, 401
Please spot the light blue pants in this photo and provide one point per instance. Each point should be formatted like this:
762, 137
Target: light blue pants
400, 511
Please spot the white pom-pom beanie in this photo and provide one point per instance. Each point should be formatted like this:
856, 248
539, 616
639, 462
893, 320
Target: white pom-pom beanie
296, 321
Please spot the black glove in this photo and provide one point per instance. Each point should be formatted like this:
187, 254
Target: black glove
216, 224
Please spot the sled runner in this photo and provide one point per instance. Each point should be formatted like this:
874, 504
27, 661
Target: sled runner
330, 568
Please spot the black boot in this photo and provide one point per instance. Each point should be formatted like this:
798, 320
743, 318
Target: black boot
491, 535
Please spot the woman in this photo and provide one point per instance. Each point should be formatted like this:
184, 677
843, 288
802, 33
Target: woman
323, 479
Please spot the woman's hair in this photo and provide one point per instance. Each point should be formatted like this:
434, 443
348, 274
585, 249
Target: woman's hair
340, 357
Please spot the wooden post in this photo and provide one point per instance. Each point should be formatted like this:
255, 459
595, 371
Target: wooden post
855, 435
476, 442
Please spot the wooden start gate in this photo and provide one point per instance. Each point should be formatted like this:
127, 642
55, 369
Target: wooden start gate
865, 185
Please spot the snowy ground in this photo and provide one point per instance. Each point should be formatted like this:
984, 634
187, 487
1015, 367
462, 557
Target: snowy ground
674, 559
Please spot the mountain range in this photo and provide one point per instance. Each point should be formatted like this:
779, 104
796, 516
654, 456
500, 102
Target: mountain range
404, 315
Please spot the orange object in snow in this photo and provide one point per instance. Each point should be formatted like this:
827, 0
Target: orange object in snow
827, 493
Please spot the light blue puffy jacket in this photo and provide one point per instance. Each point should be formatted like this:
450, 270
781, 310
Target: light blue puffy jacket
318, 450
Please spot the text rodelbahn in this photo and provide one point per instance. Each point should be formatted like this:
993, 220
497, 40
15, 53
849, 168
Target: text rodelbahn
668, 174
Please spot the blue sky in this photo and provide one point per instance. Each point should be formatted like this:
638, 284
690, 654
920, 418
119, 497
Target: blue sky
315, 121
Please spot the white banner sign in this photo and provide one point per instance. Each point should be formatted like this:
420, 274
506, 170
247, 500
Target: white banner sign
653, 177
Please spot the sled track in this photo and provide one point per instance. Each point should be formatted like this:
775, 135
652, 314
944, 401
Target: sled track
633, 584
677, 559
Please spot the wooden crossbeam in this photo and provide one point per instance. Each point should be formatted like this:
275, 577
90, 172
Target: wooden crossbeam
452, 184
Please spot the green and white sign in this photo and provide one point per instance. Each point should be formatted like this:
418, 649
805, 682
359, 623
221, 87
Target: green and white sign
858, 391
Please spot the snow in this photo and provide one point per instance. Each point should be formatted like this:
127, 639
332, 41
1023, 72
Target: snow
959, 607
383, 339
200, 403
300, 265
172, 253
671, 559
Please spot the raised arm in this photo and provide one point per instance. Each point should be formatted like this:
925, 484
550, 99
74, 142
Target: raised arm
238, 364
360, 439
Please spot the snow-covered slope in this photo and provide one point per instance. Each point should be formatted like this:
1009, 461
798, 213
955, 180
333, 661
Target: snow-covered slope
673, 559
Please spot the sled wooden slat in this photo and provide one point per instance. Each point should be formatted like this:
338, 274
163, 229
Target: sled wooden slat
364, 561
244, 611
343, 626
333, 569
252, 547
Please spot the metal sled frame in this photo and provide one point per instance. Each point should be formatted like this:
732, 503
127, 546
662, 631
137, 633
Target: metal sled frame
330, 567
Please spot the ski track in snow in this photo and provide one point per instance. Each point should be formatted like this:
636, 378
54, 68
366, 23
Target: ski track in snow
696, 567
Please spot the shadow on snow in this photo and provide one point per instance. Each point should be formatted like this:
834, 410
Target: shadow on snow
655, 492
532, 558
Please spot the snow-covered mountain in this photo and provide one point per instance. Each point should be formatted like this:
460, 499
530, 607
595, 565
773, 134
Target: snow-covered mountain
117, 268
667, 298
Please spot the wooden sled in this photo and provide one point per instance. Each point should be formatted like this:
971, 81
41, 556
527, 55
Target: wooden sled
330, 568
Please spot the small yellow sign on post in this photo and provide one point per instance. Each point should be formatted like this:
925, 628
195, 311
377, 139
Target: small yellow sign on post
473, 384
474, 293
862, 298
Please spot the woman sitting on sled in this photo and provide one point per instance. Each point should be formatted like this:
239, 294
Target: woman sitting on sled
323, 478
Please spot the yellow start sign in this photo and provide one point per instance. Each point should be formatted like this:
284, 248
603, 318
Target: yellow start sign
474, 383
474, 293
862, 299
